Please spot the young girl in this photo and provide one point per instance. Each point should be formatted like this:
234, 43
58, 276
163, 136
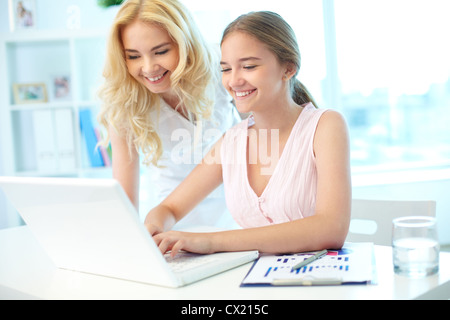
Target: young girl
162, 96
297, 201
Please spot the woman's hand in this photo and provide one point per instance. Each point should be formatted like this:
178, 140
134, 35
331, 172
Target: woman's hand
153, 229
159, 219
175, 241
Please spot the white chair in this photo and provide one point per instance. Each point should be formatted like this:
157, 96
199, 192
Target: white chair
371, 220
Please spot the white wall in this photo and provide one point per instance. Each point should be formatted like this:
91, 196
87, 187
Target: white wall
55, 14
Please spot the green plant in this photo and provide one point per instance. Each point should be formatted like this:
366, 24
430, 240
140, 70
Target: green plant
109, 3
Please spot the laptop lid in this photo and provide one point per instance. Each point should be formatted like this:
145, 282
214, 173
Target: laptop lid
89, 225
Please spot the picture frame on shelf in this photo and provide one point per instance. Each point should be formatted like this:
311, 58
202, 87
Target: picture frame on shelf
30, 93
61, 87
22, 14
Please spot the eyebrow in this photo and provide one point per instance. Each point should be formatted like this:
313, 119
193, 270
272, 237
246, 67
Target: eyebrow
153, 49
243, 59
160, 46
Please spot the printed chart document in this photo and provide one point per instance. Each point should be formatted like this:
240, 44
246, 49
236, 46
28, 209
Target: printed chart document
353, 264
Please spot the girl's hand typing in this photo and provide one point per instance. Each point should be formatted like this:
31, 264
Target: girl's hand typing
176, 241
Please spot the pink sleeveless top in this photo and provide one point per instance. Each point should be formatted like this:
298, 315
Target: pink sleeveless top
291, 191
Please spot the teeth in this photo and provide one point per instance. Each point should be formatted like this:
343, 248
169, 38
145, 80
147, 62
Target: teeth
244, 93
156, 79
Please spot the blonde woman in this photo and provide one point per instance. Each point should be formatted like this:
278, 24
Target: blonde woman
298, 201
163, 103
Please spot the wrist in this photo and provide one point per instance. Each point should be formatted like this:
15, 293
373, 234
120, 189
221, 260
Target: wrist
216, 242
161, 218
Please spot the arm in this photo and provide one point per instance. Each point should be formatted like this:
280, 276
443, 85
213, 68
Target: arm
198, 184
326, 229
125, 166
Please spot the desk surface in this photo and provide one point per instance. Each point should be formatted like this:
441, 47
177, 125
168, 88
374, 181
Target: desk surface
27, 272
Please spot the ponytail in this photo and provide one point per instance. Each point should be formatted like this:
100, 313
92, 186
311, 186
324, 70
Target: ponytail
300, 94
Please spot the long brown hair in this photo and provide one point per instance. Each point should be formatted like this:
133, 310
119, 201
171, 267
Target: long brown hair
272, 30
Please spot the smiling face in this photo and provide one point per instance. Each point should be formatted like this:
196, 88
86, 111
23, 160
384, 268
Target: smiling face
251, 73
151, 55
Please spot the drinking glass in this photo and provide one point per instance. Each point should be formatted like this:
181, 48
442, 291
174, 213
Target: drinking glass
415, 246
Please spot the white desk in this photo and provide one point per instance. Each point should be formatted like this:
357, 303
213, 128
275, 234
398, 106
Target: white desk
27, 272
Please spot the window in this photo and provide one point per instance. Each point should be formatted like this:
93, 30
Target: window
384, 64
393, 59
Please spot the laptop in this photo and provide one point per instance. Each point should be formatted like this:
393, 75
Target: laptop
90, 225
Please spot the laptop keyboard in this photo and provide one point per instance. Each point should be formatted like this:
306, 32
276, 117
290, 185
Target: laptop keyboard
186, 261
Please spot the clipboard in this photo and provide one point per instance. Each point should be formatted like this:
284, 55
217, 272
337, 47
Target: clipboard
353, 264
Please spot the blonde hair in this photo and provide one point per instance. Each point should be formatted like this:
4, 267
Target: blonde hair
273, 31
127, 103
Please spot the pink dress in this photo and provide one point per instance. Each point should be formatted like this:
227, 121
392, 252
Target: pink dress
291, 191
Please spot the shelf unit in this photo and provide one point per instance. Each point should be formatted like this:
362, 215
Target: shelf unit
44, 138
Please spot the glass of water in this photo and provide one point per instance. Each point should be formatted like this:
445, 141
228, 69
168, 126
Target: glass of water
415, 246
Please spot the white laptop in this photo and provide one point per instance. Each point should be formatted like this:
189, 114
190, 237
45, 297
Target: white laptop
89, 225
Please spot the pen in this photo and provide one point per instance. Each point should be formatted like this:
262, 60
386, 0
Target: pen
318, 255
307, 282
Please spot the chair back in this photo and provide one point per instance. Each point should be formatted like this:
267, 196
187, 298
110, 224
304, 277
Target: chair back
371, 220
